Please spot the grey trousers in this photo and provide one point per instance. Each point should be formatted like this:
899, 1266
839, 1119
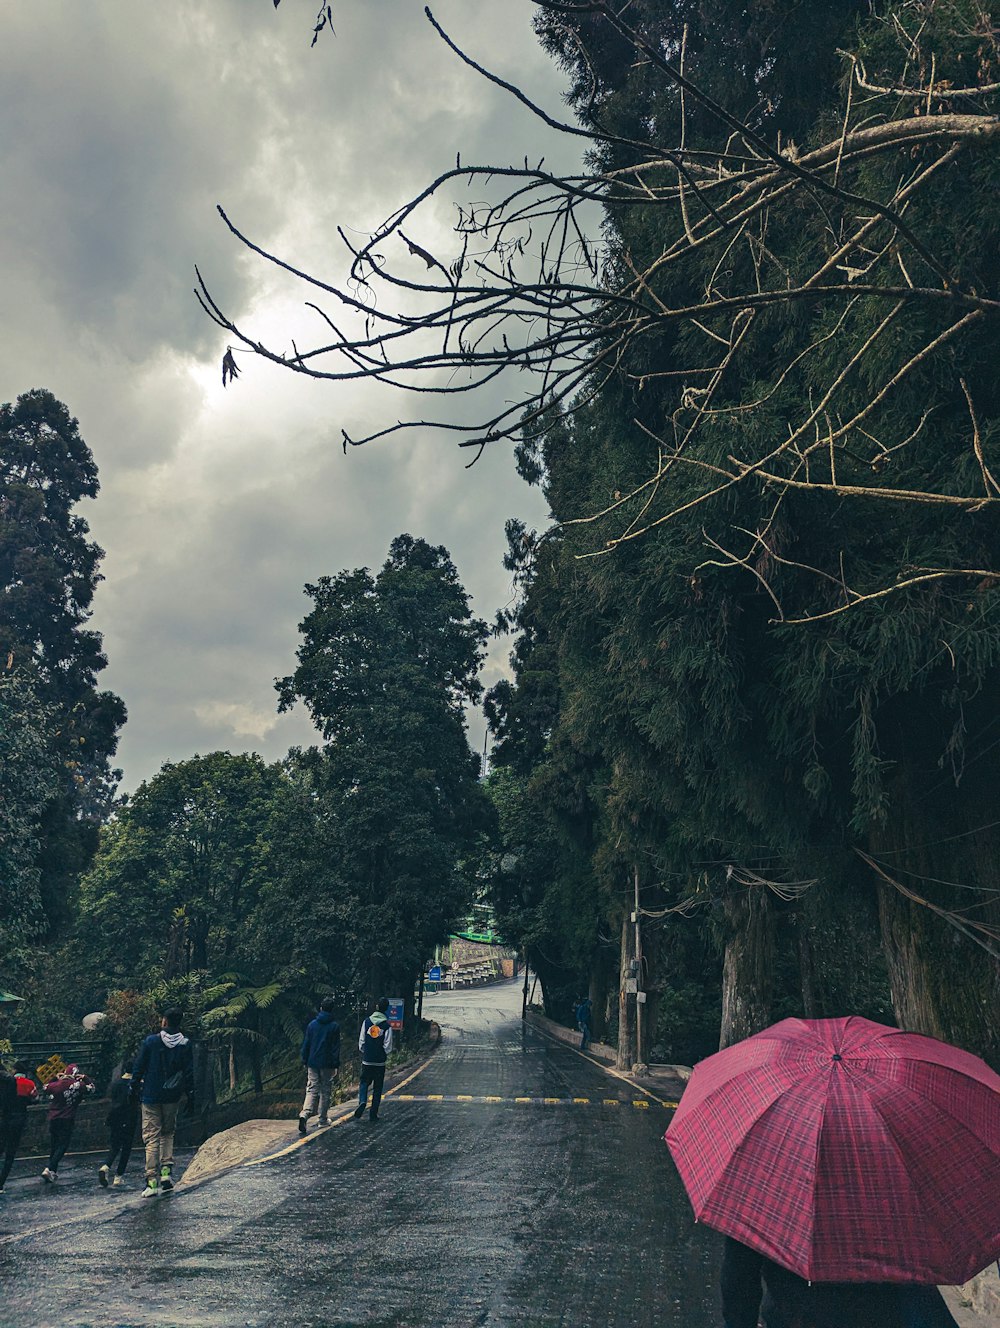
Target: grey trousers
317, 1098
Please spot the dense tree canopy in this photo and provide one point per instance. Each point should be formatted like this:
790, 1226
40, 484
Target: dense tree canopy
48, 574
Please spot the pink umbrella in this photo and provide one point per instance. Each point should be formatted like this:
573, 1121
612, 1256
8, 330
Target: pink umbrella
846, 1151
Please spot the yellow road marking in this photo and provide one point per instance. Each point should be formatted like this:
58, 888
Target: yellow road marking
551, 1101
522, 1099
638, 1102
611, 1102
463, 1097
584, 1101
435, 1097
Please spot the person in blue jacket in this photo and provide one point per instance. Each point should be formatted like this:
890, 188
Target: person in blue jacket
321, 1057
163, 1072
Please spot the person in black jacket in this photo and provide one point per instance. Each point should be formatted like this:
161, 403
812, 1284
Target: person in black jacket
321, 1057
374, 1043
121, 1122
17, 1093
753, 1286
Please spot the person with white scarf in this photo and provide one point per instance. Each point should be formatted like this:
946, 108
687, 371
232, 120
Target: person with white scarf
163, 1072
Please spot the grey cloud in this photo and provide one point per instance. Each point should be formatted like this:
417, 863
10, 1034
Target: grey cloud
122, 131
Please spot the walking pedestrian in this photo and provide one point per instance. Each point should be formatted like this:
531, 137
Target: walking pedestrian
321, 1057
754, 1286
121, 1122
163, 1072
67, 1091
374, 1043
17, 1093
583, 1008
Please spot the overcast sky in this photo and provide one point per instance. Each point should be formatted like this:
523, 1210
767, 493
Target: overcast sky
123, 126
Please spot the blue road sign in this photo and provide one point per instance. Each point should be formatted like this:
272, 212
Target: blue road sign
435, 974
395, 1013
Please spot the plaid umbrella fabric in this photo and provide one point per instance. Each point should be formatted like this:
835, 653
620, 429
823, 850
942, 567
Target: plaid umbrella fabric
846, 1151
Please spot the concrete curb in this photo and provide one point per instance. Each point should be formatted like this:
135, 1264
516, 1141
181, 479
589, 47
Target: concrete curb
601, 1051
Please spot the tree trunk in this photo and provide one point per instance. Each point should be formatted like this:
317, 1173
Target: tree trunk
233, 1080
600, 990
807, 971
748, 964
626, 1002
939, 830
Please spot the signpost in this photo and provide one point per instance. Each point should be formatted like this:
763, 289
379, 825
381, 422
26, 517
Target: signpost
435, 975
395, 1014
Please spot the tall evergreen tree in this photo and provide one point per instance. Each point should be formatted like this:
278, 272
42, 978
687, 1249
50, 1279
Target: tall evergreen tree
386, 665
48, 575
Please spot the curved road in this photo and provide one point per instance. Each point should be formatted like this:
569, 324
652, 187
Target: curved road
463, 1206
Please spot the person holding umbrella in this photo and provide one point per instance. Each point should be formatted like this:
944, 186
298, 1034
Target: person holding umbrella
851, 1166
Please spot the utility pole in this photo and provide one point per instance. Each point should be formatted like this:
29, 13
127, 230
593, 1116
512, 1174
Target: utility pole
640, 995
524, 994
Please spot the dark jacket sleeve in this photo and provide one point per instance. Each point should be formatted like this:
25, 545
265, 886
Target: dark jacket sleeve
924, 1307
741, 1285
306, 1045
141, 1063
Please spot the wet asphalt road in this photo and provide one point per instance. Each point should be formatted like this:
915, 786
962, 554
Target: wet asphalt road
503, 1214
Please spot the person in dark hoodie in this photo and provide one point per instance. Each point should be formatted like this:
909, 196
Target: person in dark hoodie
753, 1287
321, 1058
374, 1043
17, 1093
121, 1123
163, 1072
67, 1091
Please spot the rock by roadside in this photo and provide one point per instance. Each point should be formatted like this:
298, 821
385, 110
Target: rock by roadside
240, 1143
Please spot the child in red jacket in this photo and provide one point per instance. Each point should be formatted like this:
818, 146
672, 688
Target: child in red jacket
67, 1092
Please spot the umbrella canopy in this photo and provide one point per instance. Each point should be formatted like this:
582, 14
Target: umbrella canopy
846, 1151
8, 1000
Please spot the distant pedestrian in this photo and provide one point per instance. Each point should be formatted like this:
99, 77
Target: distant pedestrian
67, 1091
17, 1093
163, 1072
321, 1057
121, 1122
374, 1043
583, 1008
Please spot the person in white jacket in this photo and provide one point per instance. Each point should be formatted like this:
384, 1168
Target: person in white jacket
374, 1043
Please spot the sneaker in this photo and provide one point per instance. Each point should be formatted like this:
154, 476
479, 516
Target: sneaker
102, 1176
358, 1112
323, 1120
118, 1180
373, 1119
302, 1125
166, 1178
152, 1189
49, 1176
